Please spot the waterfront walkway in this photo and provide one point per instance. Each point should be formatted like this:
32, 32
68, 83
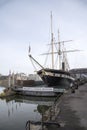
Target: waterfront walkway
73, 110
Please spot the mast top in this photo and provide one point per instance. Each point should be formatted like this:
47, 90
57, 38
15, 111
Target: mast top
52, 42
51, 24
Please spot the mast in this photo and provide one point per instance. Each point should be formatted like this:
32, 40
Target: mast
52, 44
9, 79
59, 51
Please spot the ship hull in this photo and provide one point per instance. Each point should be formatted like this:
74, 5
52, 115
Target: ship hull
56, 78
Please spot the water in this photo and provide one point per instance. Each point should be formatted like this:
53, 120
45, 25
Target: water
16, 111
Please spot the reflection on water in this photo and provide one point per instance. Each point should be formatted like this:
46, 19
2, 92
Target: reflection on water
16, 111
13, 115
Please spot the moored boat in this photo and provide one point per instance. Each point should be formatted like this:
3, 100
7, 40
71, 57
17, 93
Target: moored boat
56, 78
42, 91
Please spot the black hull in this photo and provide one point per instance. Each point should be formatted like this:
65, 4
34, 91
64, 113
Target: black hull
58, 82
56, 78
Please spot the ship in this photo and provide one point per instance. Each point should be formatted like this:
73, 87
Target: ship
57, 78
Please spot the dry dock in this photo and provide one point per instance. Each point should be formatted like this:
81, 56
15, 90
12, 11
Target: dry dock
73, 110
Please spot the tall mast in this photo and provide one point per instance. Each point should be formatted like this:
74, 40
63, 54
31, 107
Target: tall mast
59, 51
52, 44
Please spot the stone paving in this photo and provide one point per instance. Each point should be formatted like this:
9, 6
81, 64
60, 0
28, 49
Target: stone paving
73, 110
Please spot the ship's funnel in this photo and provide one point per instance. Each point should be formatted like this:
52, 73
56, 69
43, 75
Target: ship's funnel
63, 65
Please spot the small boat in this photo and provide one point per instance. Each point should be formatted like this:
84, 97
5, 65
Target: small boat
42, 91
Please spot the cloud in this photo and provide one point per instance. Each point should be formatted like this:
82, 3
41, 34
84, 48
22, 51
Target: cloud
4, 2
24, 21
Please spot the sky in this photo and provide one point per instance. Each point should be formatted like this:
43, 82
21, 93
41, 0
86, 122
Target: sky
27, 22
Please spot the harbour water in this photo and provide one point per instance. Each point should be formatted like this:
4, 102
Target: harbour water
16, 111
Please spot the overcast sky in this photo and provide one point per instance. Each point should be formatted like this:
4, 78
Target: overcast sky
24, 22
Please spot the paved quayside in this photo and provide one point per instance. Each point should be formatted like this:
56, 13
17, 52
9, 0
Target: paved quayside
73, 110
